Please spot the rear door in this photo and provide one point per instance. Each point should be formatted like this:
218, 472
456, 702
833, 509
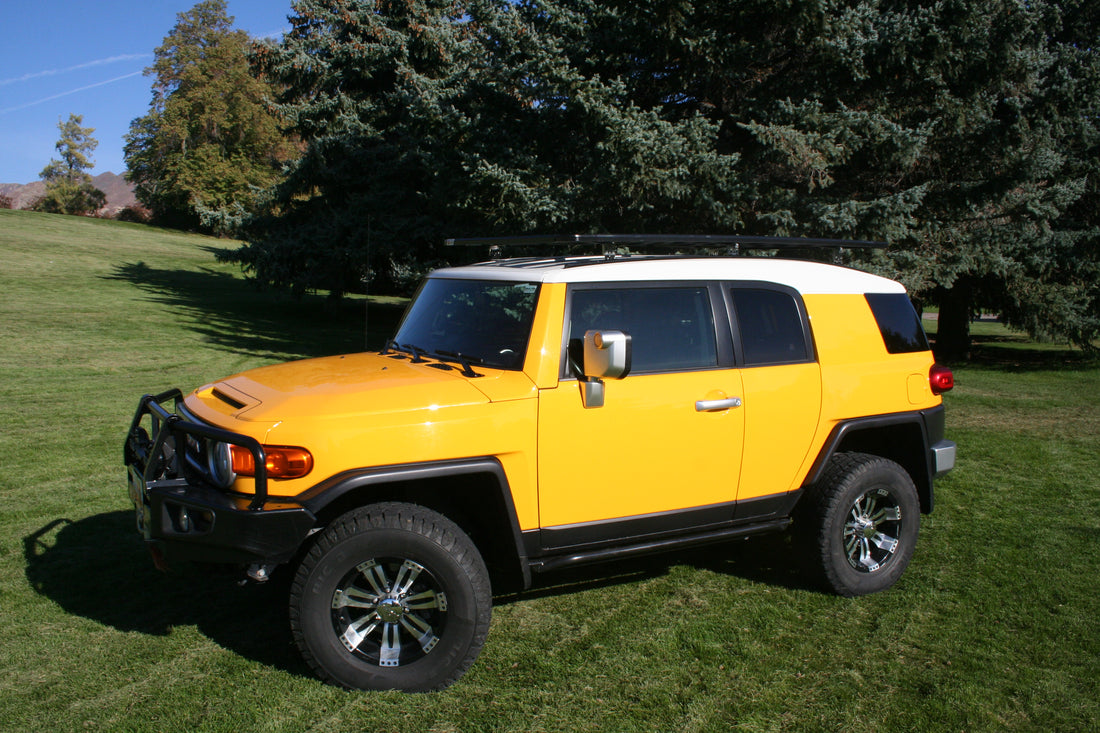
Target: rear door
782, 385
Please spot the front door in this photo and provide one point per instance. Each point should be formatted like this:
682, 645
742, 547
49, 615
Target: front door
665, 448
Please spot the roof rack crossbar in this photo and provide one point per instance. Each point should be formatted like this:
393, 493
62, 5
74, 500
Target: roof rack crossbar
736, 241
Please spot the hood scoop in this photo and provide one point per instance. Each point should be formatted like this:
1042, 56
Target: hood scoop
234, 403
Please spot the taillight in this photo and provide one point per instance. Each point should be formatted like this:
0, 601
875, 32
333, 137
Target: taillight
941, 379
282, 461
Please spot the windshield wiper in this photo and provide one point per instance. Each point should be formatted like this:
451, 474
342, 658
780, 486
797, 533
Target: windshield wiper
418, 355
415, 352
464, 360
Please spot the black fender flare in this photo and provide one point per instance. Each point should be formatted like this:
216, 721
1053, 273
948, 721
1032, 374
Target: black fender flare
929, 422
332, 489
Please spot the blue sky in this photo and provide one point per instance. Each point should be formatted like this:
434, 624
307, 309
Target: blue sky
62, 57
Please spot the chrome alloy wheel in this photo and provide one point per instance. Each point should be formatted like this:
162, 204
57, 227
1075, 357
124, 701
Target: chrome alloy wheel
871, 530
389, 611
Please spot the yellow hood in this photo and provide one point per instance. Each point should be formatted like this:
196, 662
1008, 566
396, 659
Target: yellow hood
355, 384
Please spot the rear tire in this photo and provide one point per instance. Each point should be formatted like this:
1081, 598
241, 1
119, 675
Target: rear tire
391, 596
859, 523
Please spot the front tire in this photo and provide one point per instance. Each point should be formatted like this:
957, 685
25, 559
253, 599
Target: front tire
391, 596
859, 523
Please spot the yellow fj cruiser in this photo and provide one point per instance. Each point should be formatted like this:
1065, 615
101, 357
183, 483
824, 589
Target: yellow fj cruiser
536, 413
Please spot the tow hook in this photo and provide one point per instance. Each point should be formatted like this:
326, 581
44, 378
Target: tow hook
258, 573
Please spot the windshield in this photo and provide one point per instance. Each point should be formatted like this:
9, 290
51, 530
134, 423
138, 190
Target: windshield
487, 322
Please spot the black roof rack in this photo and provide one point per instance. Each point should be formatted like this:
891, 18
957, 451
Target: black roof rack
735, 242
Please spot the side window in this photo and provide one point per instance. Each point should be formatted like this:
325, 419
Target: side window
670, 328
770, 323
898, 322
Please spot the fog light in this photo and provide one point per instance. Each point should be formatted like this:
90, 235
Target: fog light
184, 520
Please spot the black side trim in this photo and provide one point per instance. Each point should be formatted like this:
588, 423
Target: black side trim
760, 508
935, 420
606, 539
626, 529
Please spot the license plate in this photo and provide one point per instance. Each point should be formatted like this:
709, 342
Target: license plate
136, 488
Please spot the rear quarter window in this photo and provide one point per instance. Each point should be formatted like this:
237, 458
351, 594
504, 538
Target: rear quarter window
771, 326
898, 322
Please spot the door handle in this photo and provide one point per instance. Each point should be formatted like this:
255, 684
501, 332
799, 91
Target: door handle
717, 405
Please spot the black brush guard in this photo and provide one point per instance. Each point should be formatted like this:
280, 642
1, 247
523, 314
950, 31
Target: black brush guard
147, 453
182, 513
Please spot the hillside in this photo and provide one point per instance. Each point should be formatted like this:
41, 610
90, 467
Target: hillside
120, 193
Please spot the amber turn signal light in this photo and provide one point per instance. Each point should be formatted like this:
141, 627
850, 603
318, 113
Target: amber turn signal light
282, 461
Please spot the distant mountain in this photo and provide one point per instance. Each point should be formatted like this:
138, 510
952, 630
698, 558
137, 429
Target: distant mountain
120, 194
22, 195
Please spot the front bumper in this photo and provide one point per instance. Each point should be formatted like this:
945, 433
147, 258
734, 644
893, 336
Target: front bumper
179, 510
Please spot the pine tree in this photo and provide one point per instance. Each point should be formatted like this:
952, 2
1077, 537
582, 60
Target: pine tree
69, 188
208, 144
965, 134
431, 118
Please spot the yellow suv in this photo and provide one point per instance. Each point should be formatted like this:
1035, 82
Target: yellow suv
537, 413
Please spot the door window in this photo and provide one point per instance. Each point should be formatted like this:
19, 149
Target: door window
671, 328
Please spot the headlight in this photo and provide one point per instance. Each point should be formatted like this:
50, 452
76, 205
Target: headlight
220, 462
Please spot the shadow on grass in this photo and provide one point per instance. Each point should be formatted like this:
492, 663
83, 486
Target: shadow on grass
997, 347
1017, 354
231, 315
98, 568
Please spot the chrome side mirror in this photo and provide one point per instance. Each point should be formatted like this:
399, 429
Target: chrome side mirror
606, 356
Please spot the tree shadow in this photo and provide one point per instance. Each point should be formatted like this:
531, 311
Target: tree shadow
98, 568
1014, 351
1017, 354
234, 317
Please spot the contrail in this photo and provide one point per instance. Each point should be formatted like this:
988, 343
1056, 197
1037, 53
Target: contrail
273, 35
85, 65
71, 91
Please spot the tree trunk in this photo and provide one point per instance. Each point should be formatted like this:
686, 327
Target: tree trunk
953, 332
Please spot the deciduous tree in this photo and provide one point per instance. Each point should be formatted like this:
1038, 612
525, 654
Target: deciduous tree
208, 143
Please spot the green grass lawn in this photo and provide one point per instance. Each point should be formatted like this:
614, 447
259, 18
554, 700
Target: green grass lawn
993, 627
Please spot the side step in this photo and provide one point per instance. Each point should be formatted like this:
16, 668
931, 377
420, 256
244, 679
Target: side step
542, 565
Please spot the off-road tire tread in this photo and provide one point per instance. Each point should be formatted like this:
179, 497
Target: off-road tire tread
412, 518
818, 505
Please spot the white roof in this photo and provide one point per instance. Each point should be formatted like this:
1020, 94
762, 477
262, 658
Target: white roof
808, 278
